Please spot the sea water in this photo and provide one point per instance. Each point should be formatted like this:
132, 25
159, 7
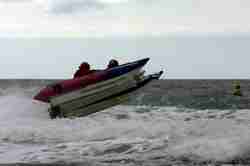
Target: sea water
141, 133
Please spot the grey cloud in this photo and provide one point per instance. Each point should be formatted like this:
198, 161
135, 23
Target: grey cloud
67, 7
74, 6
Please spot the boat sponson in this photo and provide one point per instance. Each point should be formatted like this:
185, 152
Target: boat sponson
111, 100
91, 92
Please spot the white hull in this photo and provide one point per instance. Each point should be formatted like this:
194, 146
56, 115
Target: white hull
101, 100
96, 107
83, 97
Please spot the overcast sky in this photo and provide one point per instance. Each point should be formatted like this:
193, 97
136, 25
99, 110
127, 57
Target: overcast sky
214, 35
121, 17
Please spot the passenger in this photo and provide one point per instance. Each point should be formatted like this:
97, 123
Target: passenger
113, 63
84, 69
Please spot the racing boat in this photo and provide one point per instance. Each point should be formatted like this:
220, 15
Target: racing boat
96, 91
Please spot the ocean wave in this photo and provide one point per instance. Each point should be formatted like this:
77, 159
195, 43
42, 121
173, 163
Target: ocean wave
122, 134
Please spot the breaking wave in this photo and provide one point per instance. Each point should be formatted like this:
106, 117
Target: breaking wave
122, 135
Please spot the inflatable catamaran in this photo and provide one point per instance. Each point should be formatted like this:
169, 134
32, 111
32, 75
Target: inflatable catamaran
96, 91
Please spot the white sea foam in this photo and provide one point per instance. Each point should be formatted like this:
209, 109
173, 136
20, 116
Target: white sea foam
136, 132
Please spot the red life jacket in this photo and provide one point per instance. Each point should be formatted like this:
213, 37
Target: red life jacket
83, 70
